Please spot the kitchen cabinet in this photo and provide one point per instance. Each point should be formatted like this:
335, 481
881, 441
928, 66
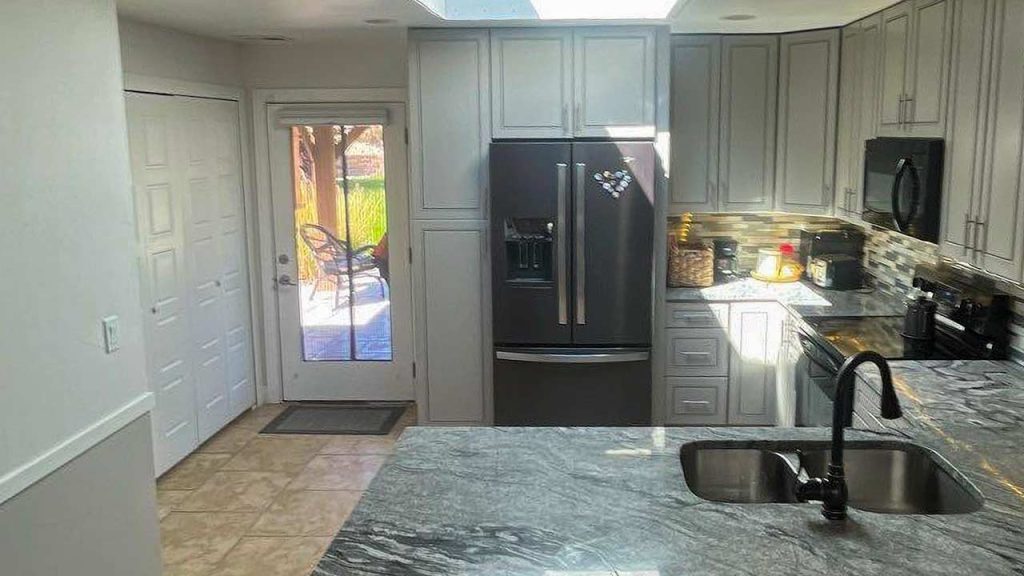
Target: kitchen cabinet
613, 70
914, 68
697, 352
723, 111
755, 331
984, 222
531, 83
452, 322
857, 119
749, 85
696, 75
808, 84
697, 401
449, 123
560, 83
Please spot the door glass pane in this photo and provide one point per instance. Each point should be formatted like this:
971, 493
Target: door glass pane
341, 235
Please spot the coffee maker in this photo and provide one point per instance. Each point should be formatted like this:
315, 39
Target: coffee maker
726, 260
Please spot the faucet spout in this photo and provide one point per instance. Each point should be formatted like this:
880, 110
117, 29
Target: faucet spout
831, 490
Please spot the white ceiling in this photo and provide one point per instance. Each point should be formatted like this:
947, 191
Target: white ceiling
315, 19
772, 15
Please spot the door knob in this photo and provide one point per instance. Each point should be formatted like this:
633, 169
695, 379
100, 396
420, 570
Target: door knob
285, 280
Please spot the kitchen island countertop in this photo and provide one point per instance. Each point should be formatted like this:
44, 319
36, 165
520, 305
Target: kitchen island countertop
602, 501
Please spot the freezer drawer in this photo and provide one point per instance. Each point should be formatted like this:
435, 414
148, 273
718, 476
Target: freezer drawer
572, 387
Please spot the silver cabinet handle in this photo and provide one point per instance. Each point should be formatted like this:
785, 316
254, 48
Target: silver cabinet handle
580, 248
968, 226
561, 249
908, 109
565, 119
608, 357
578, 118
977, 231
686, 356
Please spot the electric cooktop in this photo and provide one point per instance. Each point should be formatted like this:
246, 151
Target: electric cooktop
848, 336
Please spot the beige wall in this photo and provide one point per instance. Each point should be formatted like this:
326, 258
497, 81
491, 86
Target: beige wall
155, 51
67, 238
95, 516
358, 58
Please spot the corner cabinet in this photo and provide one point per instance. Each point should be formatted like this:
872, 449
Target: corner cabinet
857, 119
984, 218
449, 123
755, 330
451, 281
808, 85
723, 109
916, 39
557, 83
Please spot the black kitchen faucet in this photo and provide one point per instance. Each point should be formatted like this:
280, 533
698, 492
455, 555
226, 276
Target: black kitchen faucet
831, 490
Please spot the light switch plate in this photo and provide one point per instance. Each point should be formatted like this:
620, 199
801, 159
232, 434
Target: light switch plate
111, 334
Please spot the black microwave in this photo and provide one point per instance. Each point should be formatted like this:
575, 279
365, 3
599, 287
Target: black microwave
903, 185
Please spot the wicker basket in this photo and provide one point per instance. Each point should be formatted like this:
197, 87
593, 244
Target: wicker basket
690, 265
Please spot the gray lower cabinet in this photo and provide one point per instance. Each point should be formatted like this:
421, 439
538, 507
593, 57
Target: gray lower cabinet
755, 330
724, 372
984, 217
808, 84
451, 283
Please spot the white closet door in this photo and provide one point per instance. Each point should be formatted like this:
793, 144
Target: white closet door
156, 166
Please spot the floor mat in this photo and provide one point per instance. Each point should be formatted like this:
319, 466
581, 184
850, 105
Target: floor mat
372, 419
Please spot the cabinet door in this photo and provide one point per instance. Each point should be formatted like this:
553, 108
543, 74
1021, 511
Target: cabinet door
808, 82
531, 83
928, 72
614, 82
452, 317
1002, 221
848, 122
696, 72
755, 330
449, 123
870, 42
746, 161
969, 81
895, 45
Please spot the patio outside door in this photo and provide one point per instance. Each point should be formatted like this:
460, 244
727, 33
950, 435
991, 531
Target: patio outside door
340, 201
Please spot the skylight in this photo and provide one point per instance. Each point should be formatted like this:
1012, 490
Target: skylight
482, 10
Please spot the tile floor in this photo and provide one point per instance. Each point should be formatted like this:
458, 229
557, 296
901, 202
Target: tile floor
251, 504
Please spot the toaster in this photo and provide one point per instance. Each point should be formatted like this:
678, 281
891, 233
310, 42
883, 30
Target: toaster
836, 271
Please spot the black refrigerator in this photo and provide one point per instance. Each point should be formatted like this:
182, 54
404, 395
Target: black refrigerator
571, 251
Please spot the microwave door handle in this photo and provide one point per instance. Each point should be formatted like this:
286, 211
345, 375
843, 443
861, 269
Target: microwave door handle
901, 169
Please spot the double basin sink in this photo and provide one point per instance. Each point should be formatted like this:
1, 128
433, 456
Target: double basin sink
887, 477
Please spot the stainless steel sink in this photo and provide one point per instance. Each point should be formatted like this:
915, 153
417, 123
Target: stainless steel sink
731, 474
882, 476
900, 478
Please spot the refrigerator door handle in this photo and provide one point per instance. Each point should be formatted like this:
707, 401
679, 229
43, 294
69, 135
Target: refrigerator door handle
603, 357
561, 247
580, 249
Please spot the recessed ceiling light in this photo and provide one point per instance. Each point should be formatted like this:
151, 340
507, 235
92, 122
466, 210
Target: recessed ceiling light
264, 38
379, 21
739, 17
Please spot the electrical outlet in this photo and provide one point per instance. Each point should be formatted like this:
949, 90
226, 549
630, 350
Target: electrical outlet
111, 334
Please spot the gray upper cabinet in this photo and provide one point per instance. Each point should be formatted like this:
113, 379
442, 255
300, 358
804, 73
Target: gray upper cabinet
915, 60
614, 82
858, 95
531, 81
984, 218
696, 72
450, 121
808, 83
749, 84
848, 143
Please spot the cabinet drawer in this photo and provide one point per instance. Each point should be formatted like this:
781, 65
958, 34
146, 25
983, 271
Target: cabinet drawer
696, 400
697, 352
697, 316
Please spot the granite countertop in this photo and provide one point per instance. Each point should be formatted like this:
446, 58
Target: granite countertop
602, 501
801, 297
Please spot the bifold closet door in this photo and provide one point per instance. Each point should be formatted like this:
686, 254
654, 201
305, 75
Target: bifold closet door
186, 170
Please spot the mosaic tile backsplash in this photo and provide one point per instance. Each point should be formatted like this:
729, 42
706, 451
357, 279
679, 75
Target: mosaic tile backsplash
890, 257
